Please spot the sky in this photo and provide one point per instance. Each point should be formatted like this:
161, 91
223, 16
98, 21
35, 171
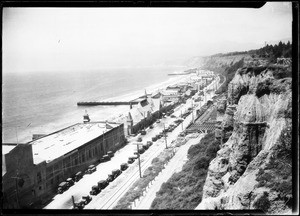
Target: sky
66, 39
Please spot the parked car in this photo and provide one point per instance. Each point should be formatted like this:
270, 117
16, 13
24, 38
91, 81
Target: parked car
158, 121
114, 174
140, 139
102, 184
124, 166
95, 190
151, 126
105, 158
85, 200
182, 134
78, 176
70, 182
62, 187
131, 160
91, 169
143, 132
110, 154
141, 151
149, 143
173, 116
145, 146
154, 139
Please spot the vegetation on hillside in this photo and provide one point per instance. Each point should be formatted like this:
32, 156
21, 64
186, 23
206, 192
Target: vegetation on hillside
184, 189
280, 50
277, 175
229, 73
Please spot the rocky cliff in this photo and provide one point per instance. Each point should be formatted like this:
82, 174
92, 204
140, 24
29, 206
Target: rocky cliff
252, 169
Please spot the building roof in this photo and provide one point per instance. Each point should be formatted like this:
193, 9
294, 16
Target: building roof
61, 142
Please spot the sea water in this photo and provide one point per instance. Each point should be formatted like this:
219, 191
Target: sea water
47, 101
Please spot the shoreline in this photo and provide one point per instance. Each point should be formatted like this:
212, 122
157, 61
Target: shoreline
97, 113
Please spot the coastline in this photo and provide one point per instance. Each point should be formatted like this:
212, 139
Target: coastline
97, 113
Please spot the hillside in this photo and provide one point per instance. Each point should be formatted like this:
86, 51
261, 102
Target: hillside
253, 168
246, 163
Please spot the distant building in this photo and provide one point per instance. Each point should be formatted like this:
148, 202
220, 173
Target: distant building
34, 170
144, 113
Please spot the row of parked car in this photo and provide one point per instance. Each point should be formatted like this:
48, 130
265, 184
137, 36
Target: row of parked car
65, 185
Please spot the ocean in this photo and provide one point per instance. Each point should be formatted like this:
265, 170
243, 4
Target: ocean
41, 103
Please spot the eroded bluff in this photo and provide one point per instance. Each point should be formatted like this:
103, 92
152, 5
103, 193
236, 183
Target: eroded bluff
257, 119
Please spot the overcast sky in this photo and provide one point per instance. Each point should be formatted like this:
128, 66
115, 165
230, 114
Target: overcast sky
64, 39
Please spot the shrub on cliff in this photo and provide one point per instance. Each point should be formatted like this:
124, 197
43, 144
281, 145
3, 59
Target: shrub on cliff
263, 202
277, 175
184, 189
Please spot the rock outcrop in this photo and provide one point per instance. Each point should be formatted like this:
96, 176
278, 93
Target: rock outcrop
258, 111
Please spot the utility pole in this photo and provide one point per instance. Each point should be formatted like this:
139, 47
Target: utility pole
104, 148
192, 111
165, 136
17, 190
138, 153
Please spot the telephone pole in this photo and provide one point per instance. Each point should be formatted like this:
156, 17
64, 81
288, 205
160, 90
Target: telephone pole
138, 154
17, 190
165, 136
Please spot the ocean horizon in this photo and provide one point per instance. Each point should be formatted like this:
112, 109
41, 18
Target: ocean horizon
42, 103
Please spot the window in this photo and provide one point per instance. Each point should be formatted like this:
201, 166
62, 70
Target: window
76, 161
90, 153
40, 187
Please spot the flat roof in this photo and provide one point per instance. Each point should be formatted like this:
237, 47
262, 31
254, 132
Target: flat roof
61, 142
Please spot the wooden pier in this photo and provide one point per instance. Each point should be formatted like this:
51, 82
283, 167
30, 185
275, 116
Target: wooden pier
107, 103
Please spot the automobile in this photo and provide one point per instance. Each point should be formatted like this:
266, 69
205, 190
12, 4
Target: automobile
110, 154
151, 126
102, 184
124, 166
182, 134
78, 176
143, 132
173, 116
140, 139
70, 182
84, 200
154, 139
91, 169
135, 157
145, 146
131, 160
78, 205
141, 151
114, 174
149, 143
158, 121
105, 158
95, 190
62, 187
